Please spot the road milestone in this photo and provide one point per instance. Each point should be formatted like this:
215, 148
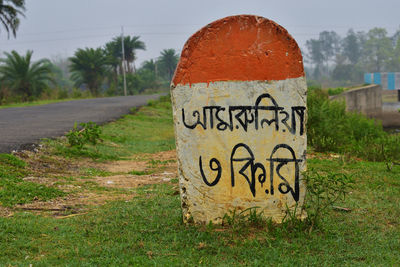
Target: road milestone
239, 106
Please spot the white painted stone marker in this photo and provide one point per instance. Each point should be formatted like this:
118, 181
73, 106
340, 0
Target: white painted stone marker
239, 106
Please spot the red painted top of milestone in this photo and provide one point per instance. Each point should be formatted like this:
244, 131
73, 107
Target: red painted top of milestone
239, 48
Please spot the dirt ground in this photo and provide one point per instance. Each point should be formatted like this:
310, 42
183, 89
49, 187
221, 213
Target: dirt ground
89, 183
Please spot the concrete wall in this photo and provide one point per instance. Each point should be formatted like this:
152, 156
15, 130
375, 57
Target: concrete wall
366, 100
388, 80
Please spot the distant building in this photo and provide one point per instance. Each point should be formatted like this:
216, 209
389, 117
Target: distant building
388, 80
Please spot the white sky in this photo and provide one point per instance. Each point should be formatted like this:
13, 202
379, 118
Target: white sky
58, 27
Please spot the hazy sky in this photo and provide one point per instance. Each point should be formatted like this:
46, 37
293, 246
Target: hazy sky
58, 27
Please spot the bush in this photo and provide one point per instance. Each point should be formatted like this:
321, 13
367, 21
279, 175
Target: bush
62, 93
76, 93
89, 134
323, 192
331, 128
335, 91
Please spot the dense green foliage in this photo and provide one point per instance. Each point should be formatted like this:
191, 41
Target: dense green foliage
131, 44
88, 67
331, 128
168, 61
25, 78
113, 50
89, 73
335, 91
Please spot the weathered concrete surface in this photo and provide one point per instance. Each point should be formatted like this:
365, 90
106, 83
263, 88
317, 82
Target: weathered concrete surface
366, 100
239, 97
390, 109
204, 202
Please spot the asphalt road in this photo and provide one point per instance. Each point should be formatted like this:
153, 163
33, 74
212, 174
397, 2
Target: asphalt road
22, 127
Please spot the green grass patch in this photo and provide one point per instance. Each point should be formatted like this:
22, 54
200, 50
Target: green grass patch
134, 172
14, 190
37, 103
148, 230
96, 172
12, 161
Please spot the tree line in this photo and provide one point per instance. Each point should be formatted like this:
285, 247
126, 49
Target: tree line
337, 60
90, 71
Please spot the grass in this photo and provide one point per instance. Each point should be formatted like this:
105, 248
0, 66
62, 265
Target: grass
148, 229
37, 103
96, 172
14, 190
134, 172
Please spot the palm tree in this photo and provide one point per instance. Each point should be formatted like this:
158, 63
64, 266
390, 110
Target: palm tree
114, 55
168, 61
23, 76
149, 65
131, 44
9, 11
148, 75
89, 66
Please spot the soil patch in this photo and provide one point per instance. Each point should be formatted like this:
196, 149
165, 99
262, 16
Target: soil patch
89, 183
141, 162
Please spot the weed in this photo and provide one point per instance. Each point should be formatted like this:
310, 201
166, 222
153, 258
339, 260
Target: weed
323, 191
293, 220
249, 216
390, 148
89, 134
